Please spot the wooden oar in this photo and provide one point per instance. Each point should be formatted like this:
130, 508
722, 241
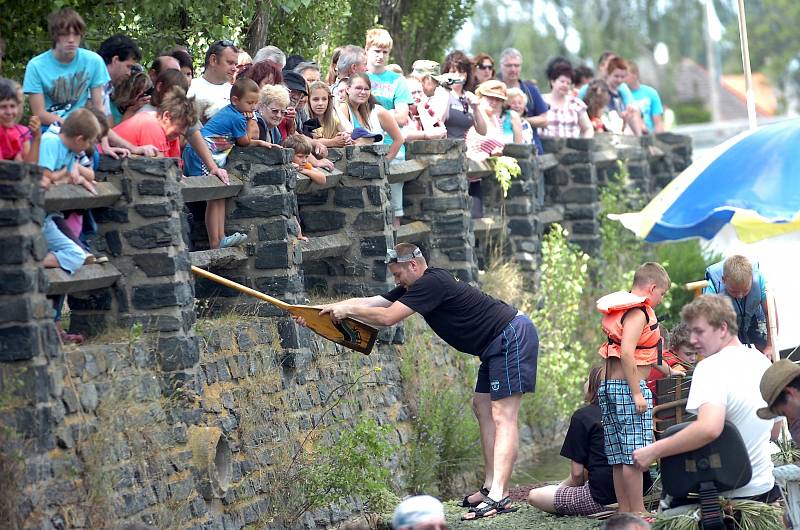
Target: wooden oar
349, 332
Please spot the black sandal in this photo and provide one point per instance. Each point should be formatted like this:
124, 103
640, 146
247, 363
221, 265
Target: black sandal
466, 504
496, 507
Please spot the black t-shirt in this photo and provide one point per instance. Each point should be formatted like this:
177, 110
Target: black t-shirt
584, 444
466, 318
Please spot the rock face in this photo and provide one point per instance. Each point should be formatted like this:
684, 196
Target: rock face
190, 425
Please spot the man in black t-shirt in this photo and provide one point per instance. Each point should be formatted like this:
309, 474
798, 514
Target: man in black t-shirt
473, 322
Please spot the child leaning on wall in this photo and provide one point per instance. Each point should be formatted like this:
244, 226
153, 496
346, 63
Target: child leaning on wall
302, 150
634, 345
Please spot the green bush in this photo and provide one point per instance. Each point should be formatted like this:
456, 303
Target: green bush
685, 262
691, 112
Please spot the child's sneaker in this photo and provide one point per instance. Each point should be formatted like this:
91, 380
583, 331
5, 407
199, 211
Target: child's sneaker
228, 241
240, 238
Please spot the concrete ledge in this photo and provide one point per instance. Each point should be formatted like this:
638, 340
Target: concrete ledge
304, 184
413, 232
486, 226
478, 169
196, 189
325, 247
72, 197
87, 278
218, 258
605, 155
547, 161
405, 171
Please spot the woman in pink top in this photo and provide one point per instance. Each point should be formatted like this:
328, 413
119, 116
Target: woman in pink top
567, 116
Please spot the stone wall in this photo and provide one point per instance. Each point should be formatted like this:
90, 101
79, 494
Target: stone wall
189, 424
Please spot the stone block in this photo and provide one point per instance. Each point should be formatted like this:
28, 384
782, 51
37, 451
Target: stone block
448, 166
443, 204
19, 342
161, 295
16, 251
522, 227
314, 198
17, 282
152, 187
366, 170
580, 195
272, 255
451, 184
18, 309
154, 235
434, 147
160, 209
581, 144
519, 208
552, 144
259, 155
14, 217
451, 224
345, 197
251, 206
265, 176
370, 222
158, 167
375, 246
583, 174
585, 228
178, 353
156, 264
276, 230
574, 212
278, 284
111, 215
323, 220
518, 150
374, 194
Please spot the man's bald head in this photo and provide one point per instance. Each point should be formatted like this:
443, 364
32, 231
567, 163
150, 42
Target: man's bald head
161, 63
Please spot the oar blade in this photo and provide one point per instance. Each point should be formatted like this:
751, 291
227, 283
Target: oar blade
349, 333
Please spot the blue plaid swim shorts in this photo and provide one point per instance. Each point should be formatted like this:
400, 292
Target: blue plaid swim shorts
624, 430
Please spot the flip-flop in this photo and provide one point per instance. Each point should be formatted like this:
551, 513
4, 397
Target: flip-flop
496, 507
466, 504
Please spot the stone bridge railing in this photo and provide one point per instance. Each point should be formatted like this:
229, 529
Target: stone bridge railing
147, 283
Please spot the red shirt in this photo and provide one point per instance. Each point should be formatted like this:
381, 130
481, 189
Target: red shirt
668, 357
143, 128
11, 141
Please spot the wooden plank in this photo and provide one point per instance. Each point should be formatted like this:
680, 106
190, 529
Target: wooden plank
325, 247
196, 189
86, 278
72, 197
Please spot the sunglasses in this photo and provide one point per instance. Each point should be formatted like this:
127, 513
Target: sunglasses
485, 67
225, 43
137, 69
393, 257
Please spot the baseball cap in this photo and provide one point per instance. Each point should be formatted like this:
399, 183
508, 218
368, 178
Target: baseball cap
772, 384
360, 132
424, 67
416, 510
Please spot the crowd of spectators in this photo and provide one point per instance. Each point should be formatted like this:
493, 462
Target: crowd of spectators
83, 103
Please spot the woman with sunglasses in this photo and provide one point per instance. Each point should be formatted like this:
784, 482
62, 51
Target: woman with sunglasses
272, 104
484, 70
460, 112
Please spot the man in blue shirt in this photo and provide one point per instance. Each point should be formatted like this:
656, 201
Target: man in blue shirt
647, 99
536, 109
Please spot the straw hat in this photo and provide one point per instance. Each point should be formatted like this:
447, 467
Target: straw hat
492, 88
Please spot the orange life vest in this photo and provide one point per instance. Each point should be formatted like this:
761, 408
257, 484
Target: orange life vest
615, 307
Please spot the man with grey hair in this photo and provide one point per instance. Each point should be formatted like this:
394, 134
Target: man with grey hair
421, 512
536, 109
309, 70
273, 53
352, 60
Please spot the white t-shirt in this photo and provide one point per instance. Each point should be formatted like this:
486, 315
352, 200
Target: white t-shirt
731, 378
208, 97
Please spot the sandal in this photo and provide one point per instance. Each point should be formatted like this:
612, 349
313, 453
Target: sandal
70, 338
466, 504
495, 507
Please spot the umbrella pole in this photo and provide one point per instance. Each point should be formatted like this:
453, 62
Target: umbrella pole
748, 76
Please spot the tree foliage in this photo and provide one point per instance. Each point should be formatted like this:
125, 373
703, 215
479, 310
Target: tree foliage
421, 28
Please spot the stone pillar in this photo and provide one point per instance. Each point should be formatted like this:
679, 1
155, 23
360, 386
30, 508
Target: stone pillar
573, 184
265, 209
353, 220
673, 155
141, 234
26, 316
28, 342
439, 197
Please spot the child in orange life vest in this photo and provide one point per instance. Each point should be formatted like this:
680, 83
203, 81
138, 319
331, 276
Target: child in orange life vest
633, 345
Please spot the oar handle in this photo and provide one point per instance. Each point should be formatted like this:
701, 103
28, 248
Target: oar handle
239, 287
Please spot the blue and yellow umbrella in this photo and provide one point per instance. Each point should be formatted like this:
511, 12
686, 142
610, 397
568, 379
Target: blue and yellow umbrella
752, 181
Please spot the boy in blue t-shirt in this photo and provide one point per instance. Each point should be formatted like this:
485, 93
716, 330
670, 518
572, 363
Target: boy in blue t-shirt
60, 80
58, 157
391, 92
226, 128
